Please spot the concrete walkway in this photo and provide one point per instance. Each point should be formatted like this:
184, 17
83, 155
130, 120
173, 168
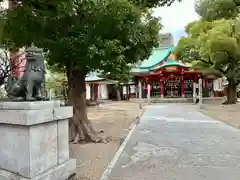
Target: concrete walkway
176, 142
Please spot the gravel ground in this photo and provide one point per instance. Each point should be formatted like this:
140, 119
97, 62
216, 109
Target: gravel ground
115, 119
228, 114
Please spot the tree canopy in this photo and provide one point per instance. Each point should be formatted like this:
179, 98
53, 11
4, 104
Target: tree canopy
153, 3
98, 35
94, 35
217, 9
213, 42
141, 3
120, 75
212, 45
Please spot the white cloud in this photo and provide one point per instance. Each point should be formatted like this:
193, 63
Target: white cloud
176, 16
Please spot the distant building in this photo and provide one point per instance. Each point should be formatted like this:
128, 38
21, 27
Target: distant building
166, 40
98, 87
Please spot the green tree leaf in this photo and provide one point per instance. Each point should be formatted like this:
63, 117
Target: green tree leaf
217, 9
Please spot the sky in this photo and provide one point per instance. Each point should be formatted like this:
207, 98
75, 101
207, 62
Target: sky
175, 17
4, 4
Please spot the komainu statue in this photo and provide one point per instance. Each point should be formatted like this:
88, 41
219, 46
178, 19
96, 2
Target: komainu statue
30, 85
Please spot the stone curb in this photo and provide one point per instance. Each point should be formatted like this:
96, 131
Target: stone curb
110, 167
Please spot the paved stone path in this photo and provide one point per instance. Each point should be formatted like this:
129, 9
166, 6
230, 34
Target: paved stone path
176, 142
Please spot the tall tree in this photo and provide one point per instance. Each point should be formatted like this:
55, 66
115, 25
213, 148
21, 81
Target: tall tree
215, 50
82, 36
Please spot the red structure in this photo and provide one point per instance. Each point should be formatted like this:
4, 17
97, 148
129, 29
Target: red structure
18, 62
167, 76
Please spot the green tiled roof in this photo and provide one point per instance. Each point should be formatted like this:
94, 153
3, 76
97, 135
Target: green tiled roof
169, 63
158, 55
93, 76
139, 70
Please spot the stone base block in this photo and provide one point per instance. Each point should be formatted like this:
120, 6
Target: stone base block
61, 172
34, 141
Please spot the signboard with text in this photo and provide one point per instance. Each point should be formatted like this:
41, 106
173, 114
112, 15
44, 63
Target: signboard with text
171, 68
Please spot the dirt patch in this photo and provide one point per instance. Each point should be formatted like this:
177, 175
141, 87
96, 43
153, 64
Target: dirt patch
228, 114
114, 118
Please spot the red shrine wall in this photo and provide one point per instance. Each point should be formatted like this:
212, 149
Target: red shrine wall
170, 86
177, 83
18, 61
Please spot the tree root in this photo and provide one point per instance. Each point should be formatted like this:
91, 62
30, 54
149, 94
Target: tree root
227, 102
94, 139
80, 127
84, 133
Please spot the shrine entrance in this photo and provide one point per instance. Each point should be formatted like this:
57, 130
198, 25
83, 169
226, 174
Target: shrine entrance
172, 87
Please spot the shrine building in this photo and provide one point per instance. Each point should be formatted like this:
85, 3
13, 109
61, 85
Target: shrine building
165, 76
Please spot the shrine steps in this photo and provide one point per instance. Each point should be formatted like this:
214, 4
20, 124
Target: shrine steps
165, 100
206, 100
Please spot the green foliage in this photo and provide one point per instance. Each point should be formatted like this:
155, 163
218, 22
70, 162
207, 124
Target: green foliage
153, 3
21, 24
213, 47
88, 35
142, 3
188, 48
217, 9
122, 75
55, 80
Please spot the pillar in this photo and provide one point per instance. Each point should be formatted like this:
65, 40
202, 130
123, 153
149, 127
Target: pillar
50, 94
136, 91
125, 92
92, 92
182, 87
200, 91
148, 93
98, 93
129, 91
161, 88
139, 89
205, 83
194, 92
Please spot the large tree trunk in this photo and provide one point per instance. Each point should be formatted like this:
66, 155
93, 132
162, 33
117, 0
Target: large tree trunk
80, 126
231, 92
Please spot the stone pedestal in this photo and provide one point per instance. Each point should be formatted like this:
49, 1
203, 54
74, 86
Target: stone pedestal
34, 141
